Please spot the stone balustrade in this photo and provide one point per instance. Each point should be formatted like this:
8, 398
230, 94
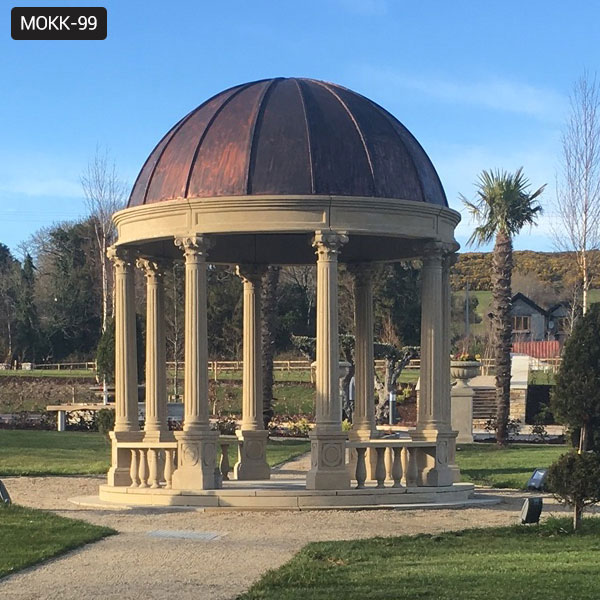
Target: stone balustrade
152, 464
224, 442
395, 460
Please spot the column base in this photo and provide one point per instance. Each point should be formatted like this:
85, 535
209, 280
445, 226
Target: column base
196, 460
434, 465
252, 455
118, 474
328, 466
159, 436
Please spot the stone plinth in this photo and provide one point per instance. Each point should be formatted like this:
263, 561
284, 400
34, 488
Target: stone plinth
196, 460
252, 455
328, 466
462, 399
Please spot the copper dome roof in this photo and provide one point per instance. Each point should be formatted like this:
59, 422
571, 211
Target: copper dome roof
288, 137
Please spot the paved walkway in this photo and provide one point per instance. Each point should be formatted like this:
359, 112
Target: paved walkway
224, 551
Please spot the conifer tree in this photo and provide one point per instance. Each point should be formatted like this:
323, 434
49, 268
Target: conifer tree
576, 399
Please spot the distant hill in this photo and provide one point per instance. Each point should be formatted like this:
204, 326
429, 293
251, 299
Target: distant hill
556, 269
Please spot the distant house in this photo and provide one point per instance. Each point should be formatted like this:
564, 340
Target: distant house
532, 323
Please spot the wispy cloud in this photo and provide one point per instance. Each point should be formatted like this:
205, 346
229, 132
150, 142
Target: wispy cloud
492, 93
36, 185
459, 166
40, 175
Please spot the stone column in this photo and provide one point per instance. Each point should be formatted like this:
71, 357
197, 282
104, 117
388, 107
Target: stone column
364, 370
196, 444
155, 428
327, 440
433, 418
126, 394
364, 367
252, 448
449, 259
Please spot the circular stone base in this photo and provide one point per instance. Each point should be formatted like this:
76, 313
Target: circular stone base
261, 495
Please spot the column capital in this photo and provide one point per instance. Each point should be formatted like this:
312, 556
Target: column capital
119, 256
435, 251
250, 273
450, 259
152, 267
193, 246
329, 243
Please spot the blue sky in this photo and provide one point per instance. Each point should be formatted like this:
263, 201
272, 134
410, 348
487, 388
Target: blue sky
481, 85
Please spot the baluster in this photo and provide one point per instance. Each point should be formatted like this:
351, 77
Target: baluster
404, 465
143, 470
411, 467
160, 466
153, 468
361, 467
225, 460
380, 467
397, 466
133, 469
169, 468
389, 459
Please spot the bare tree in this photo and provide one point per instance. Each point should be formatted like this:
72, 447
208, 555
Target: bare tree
303, 278
105, 194
578, 183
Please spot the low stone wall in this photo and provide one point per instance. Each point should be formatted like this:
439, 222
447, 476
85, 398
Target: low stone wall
518, 405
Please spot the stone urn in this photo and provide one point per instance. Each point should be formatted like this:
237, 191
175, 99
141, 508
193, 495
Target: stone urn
463, 370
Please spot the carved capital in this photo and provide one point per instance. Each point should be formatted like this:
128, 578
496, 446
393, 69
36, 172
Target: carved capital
194, 247
119, 256
251, 273
450, 259
434, 252
153, 268
329, 243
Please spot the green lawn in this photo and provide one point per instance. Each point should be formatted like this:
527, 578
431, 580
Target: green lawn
62, 373
511, 563
31, 536
541, 378
53, 453
74, 453
485, 464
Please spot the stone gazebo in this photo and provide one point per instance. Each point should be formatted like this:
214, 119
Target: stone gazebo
276, 172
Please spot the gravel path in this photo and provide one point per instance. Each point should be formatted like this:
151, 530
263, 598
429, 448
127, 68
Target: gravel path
135, 565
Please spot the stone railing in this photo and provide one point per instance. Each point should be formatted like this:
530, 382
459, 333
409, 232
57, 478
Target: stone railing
152, 463
224, 442
394, 460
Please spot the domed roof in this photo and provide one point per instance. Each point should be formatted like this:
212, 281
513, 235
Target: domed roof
288, 137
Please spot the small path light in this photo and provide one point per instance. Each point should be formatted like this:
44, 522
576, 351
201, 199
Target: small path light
4, 496
532, 507
531, 511
537, 480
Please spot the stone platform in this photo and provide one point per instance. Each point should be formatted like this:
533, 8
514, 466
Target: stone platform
286, 494
286, 490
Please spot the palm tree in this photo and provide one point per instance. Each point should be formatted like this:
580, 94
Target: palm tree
502, 208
